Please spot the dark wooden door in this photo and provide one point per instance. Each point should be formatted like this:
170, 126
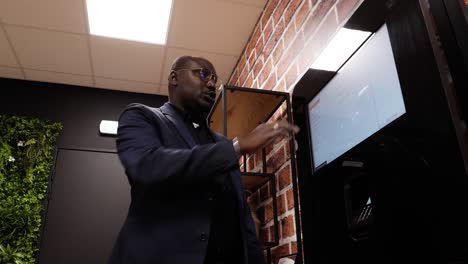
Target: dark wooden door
89, 203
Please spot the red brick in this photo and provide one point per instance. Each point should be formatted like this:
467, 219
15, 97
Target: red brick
259, 47
318, 42
292, 8
344, 8
267, 69
234, 76
289, 34
279, 251
284, 177
255, 85
279, 29
273, 231
287, 226
318, 15
243, 76
270, 45
279, 10
291, 75
466, 3
258, 66
290, 55
288, 151
268, 31
249, 50
290, 198
264, 192
281, 87
281, 203
276, 160
302, 14
269, 148
293, 247
252, 59
268, 212
277, 52
297, 45
268, 11
249, 81
270, 83
256, 35
242, 63
264, 234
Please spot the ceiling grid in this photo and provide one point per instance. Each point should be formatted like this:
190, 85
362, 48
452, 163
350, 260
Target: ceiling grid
50, 41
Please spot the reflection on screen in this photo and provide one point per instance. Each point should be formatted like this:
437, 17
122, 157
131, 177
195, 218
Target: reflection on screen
363, 97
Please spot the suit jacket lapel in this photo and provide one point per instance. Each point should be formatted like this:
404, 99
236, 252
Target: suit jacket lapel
175, 118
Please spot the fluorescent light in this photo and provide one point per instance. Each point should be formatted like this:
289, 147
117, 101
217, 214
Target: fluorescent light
137, 20
342, 46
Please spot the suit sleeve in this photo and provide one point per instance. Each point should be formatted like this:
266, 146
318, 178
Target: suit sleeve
254, 246
148, 161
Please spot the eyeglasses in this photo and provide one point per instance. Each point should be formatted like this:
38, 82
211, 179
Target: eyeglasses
205, 74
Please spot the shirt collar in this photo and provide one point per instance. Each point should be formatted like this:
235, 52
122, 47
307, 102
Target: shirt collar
186, 117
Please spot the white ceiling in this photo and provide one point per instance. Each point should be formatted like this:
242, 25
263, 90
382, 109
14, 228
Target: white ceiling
49, 40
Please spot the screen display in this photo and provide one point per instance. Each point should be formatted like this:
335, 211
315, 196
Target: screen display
363, 97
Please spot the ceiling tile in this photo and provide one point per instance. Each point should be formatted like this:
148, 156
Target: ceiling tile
225, 30
257, 3
224, 64
12, 73
7, 58
60, 15
136, 87
54, 77
127, 60
51, 51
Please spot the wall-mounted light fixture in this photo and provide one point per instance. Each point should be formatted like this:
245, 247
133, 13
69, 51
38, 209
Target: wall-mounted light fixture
108, 127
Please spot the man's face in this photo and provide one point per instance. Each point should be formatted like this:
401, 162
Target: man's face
195, 87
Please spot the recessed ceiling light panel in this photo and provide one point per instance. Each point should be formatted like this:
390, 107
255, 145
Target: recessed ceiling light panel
136, 20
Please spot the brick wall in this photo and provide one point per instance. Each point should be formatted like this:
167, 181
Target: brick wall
288, 37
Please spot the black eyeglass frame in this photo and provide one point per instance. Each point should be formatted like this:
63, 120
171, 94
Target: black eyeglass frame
211, 76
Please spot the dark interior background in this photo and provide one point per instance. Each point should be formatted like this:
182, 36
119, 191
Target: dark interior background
79, 109
88, 195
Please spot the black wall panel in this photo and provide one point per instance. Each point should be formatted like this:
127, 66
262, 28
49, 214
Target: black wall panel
79, 109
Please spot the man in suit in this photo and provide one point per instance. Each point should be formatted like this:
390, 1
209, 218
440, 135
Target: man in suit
188, 205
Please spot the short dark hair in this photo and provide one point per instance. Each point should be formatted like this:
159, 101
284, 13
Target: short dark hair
182, 62
179, 63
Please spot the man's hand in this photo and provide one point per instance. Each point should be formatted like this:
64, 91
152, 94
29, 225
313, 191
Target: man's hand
264, 134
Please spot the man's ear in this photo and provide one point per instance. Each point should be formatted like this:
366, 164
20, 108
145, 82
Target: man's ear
172, 78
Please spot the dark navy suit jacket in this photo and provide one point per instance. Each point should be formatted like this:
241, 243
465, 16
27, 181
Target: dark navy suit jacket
171, 189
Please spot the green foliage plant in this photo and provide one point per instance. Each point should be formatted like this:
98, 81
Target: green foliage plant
26, 159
